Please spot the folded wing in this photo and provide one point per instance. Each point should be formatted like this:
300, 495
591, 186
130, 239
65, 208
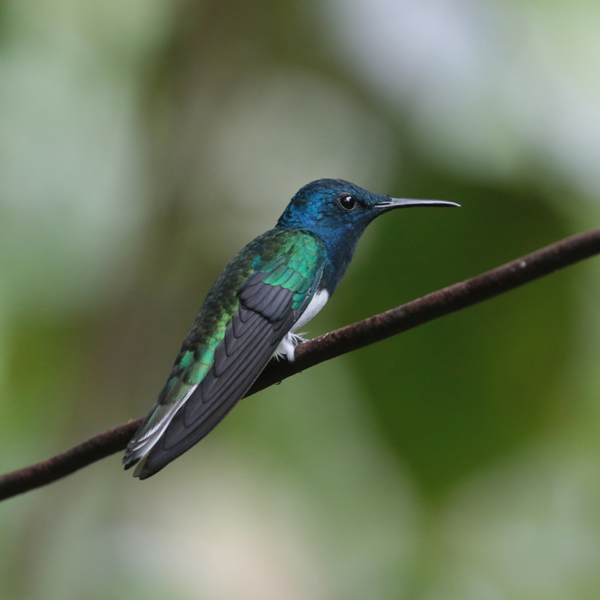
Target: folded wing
267, 305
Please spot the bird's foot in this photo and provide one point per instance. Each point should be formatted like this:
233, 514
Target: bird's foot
287, 346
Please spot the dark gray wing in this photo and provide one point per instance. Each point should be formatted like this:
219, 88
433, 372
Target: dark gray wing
264, 317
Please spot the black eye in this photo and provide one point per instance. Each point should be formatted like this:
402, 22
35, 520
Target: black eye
347, 201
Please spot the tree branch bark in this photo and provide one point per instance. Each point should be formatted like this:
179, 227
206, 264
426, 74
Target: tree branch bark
341, 341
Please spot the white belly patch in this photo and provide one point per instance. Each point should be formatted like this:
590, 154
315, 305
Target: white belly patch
288, 344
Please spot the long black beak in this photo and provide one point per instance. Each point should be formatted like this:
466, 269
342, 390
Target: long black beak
408, 202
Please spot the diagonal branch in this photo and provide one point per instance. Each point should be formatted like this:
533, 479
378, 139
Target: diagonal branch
352, 337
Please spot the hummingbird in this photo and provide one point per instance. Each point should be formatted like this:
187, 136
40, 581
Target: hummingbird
273, 287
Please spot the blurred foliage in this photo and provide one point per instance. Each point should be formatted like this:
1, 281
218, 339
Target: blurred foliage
143, 143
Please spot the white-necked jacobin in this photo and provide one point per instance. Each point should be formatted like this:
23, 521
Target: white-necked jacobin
274, 286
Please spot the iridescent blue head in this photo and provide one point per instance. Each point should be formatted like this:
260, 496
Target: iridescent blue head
338, 212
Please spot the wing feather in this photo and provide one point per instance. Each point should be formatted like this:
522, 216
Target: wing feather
218, 393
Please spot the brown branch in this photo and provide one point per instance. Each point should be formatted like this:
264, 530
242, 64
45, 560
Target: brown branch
448, 300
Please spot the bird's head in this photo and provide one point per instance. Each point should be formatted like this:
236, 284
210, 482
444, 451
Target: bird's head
332, 206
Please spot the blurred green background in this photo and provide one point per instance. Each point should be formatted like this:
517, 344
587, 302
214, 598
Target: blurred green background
144, 142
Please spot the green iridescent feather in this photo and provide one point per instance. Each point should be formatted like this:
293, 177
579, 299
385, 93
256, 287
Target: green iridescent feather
291, 259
